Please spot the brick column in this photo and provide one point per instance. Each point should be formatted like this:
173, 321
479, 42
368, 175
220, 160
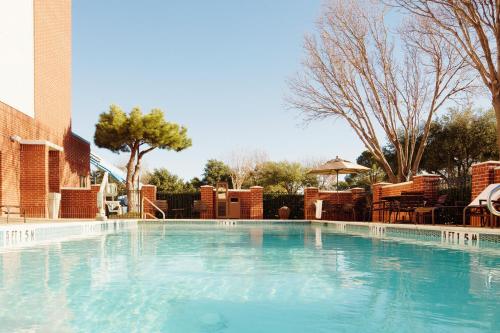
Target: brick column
256, 203
149, 192
207, 199
427, 184
483, 174
357, 193
376, 195
496, 178
54, 171
311, 194
34, 180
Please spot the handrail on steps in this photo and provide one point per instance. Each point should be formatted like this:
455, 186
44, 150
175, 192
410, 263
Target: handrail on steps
491, 208
152, 204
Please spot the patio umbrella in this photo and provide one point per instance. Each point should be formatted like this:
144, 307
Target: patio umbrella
338, 166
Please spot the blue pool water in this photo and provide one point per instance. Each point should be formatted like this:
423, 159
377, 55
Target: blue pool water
246, 278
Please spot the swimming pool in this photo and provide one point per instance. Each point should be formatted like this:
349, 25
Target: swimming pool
246, 278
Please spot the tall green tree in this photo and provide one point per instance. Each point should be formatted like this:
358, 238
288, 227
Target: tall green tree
283, 177
165, 181
216, 171
367, 179
459, 139
137, 134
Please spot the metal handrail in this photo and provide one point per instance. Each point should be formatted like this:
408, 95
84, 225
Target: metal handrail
491, 208
152, 204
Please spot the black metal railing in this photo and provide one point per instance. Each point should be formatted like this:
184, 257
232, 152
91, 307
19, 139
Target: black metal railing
274, 201
458, 190
180, 205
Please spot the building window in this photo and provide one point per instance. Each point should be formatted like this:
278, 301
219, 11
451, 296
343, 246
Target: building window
83, 181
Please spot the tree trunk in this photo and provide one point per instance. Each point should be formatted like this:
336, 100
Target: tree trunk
496, 107
131, 193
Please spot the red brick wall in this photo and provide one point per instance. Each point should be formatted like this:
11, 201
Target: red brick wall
34, 180
52, 38
428, 184
251, 202
149, 192
256, 203
497, 175
483, 174
311, 194
52, 88
54, 171
76, 158
376, 197
207, 198
79, 203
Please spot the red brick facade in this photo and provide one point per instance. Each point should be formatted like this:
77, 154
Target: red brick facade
30, 167
79, 203
256, 203
149, 192
311, 194
251, 202
484, 174
428, 184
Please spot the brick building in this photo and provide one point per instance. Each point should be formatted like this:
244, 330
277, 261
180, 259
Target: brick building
39, 153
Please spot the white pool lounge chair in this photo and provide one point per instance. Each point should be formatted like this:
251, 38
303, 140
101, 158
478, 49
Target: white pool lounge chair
478, 206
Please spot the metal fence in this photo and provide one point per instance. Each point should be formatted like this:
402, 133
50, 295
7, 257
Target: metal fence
180, 205
274, 201
458, 190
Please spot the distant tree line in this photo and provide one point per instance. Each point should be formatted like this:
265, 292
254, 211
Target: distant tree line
456, 140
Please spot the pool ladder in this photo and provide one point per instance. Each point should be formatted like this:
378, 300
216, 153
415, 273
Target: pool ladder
144, 214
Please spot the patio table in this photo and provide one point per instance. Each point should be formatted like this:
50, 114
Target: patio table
407, 203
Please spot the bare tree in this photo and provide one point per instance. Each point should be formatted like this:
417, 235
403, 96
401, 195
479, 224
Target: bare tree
472, 28
242, 163
376, 80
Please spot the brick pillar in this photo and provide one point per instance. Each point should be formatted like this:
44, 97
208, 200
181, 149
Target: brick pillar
34, 180
54, 171
207, 199
311, 194
427, 184
376, 195
256, 203
92, 207
357, 194
496, 178
483, 174
149, 192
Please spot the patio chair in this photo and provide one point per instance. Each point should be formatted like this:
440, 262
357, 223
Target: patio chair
378, 207
429, 209
113, 207
477, 208
408, 203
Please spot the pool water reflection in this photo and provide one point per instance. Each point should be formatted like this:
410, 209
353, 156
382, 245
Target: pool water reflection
246, 278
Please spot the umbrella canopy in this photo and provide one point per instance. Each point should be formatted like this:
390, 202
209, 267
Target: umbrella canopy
338, 166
